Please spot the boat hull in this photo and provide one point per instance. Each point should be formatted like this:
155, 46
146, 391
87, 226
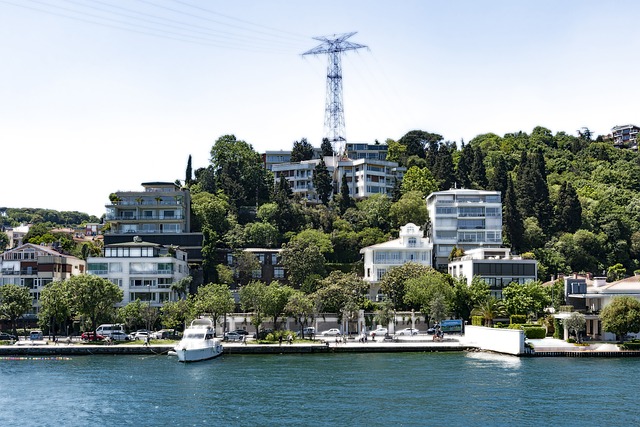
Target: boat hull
198, 354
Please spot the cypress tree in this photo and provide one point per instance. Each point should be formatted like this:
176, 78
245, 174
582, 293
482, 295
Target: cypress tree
568, 210
464, 167
326, 148
322, 182
478, 174
188, 172
498, 181
513, 225
345, 199
443, 170
301, 151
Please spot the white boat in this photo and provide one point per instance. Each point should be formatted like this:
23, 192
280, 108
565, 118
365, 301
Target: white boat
198, 342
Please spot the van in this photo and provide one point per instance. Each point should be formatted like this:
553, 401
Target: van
108, 329
35, 336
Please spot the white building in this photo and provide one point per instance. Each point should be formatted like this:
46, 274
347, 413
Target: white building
625, 136
497, 267
411, 246
143, 270
365, 177
466, 219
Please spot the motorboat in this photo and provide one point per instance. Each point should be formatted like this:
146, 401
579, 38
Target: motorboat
198, 342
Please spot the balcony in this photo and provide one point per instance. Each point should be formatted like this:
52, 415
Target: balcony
112, 217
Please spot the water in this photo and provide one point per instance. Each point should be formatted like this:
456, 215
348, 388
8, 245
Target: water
405, 389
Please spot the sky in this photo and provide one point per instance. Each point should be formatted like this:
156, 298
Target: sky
98, 96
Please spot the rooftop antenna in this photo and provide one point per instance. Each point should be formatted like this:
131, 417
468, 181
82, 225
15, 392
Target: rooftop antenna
334, 128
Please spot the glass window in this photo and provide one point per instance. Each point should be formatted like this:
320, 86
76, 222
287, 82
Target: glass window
115, 267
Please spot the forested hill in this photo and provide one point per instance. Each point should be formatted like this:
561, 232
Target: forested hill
12, 217
573, 202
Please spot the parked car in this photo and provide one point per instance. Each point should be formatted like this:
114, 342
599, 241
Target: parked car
333, 332
309, 331
91, 336
119, 336
379, 332
233, 336
6, 337
139, 335
163, 334
408, 331
241, 332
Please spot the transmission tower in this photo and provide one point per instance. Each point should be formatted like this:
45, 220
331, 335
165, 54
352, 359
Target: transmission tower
334, 128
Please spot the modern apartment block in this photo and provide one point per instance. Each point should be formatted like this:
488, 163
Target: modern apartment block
359, 150
143, 270
466, 219
35, 266
497, 267
625, 136
365, 177
411, 246
160, 213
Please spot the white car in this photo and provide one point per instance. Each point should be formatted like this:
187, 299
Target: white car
379, 332
333, 332
139, 335
408, 331
119, 336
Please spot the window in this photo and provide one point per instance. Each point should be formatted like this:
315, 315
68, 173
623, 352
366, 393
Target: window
98, 268
470, 211
278, 272
274, 259
412, 242
469, 224
261, 258
115, 267
445, 210
117, 282
256, 274
381, 272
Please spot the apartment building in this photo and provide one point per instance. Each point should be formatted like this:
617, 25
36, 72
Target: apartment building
159, 213
467, 219
35, 266
496, 266
143, 270
359, 150
625, 136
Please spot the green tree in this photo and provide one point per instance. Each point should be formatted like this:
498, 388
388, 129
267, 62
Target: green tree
568, 211
422, 291
527, 298
621, 316
132, 315
411, 208
465, 297
463, 169
341, 293
345, 201
93, 297
182, 286
261, 234
301, 307
616, 272
478, 173
326, 148
302, 150
245, 263
575, 323
176, 313
300, 258
4, 241
384, 314
275, 300
394, 281
55, 306
443, 169
188, 173
322, 182
490, 309
252, 299
214, 300
418, 180
15, 301
499, 177
513, 225
417, 140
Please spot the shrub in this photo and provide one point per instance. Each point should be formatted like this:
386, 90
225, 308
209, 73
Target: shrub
557, 328
518, 318
476, 320
535, 332
630, 346
515, 326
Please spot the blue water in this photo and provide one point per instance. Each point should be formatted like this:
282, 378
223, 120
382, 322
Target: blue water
417, 389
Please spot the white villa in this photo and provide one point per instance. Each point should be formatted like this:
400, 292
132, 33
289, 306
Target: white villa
411, 246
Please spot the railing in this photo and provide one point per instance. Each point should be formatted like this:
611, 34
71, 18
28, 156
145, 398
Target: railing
142, 217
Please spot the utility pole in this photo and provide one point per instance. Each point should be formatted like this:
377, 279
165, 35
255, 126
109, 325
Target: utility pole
334, 127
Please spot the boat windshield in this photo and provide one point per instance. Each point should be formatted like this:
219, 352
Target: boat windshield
194, 335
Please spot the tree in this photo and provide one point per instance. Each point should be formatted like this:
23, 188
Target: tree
215, 300
93, 297
527, 298
301, 307
261, 234
394, 281
500, 176
575, 323
322, 182
490, 309
276, 297
568, 211
411, 208
4, 241
621, 316
15, 300
417, 140
478, 173
342, 293
513, 225
345, 199
245, 264
301, 259
302, 150
443, 169
182, 286
463, 170
252, 297
176, 313
418, 180
421, 292
132, 314
465, 297
326, 148
188, 173
55, 306
384, 314
616, 272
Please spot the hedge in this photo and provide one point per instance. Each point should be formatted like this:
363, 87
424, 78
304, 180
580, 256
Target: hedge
535, 332
476, 320
518, 318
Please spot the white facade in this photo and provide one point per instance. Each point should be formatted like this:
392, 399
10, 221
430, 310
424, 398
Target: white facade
625, 136
497, 267
365, 177
466, 219
411, 246
143, 270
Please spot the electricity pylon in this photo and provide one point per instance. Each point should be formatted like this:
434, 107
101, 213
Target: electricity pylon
334, 128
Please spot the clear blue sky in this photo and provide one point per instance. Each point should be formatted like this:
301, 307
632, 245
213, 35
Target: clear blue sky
102, 95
